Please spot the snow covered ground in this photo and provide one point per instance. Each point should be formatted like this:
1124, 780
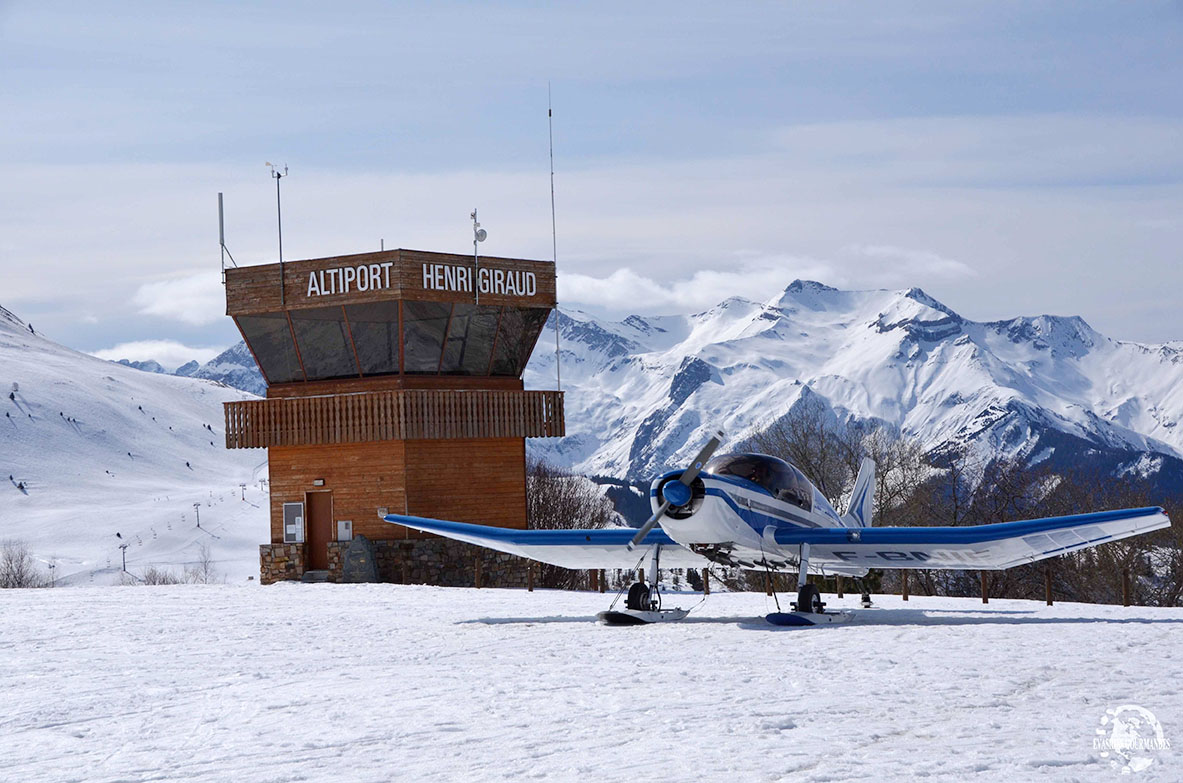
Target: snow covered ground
385, 682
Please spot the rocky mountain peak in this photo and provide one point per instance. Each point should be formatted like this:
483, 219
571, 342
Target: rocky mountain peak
1061, 336
918, 295
808, 286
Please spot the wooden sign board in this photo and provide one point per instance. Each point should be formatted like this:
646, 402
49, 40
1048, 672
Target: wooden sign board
390, 275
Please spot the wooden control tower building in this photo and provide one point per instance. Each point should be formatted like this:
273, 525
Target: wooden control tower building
394, 381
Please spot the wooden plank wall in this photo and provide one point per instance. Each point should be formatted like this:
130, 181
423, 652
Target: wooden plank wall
393, 415
361, 476
482, 481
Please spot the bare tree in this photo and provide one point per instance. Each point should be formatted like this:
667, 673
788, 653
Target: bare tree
557, 500
810, 437
972, 491
1153, 562
830, 454
17, 568
157, 576
900, 468
202, 572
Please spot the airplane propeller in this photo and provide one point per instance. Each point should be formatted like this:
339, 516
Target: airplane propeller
679, 490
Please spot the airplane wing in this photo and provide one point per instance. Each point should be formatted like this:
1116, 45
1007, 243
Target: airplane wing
599, 548
984, 547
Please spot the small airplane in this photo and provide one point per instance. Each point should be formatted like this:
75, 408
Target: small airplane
758, 512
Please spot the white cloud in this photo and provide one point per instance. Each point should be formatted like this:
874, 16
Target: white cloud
170, 353
196, 299
625, 290
901, 264
758, 278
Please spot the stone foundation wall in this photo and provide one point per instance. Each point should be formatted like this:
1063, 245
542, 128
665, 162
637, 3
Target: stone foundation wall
278, 562
336, 559
437, 561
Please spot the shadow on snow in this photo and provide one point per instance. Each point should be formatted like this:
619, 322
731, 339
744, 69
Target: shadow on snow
865, 619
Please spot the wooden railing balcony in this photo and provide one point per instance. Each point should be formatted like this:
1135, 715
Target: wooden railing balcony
405, 414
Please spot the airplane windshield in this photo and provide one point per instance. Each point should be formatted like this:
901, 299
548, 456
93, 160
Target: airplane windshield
777, 476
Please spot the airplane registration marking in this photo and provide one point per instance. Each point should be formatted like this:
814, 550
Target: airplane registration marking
894, 556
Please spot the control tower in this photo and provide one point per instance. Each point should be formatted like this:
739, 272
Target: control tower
394, 382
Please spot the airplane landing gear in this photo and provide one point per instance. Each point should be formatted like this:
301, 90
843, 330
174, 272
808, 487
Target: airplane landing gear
809, 609
643, 603
866, 598
643, 598
809, 599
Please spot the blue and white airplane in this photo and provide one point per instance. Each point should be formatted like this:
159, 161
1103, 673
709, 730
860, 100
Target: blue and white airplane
761, 513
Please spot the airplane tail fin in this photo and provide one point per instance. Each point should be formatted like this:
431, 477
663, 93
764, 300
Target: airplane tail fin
862, 499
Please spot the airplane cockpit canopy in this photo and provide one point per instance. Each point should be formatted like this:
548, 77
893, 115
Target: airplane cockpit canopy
780, 478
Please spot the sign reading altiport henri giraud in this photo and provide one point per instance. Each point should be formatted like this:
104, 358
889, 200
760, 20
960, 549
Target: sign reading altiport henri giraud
392, 274
436, 277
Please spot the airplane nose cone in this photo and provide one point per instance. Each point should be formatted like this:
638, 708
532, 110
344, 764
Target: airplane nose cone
677, 493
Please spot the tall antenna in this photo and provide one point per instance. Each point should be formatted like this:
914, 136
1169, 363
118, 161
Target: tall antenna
554, 236
279, 221
222, 239
222, 236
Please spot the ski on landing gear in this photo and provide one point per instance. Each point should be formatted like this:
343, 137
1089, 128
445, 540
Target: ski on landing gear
642, 606
808, 608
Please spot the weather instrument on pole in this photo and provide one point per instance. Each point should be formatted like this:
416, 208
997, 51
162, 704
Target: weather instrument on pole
277, 176
478, 235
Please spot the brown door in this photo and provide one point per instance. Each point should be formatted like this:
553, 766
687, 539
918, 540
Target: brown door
319, 524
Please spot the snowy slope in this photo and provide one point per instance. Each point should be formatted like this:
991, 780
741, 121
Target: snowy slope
641, 391
101, 448
389, 682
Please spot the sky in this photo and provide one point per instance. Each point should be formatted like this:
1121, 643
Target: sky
1010, 158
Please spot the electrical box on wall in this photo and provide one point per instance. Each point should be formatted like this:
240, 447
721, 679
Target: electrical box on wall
344, 529
293, 523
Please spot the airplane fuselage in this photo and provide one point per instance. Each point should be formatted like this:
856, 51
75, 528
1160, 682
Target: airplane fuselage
731, 520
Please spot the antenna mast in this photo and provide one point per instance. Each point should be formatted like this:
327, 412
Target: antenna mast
554, 237
222, 239
279, 222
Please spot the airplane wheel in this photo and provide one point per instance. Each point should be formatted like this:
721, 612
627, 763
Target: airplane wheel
809, 599
638, 597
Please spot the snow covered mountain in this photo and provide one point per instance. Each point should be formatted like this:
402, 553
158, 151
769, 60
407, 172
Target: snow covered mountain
641, 392
234, 367
90, 448
149, 366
